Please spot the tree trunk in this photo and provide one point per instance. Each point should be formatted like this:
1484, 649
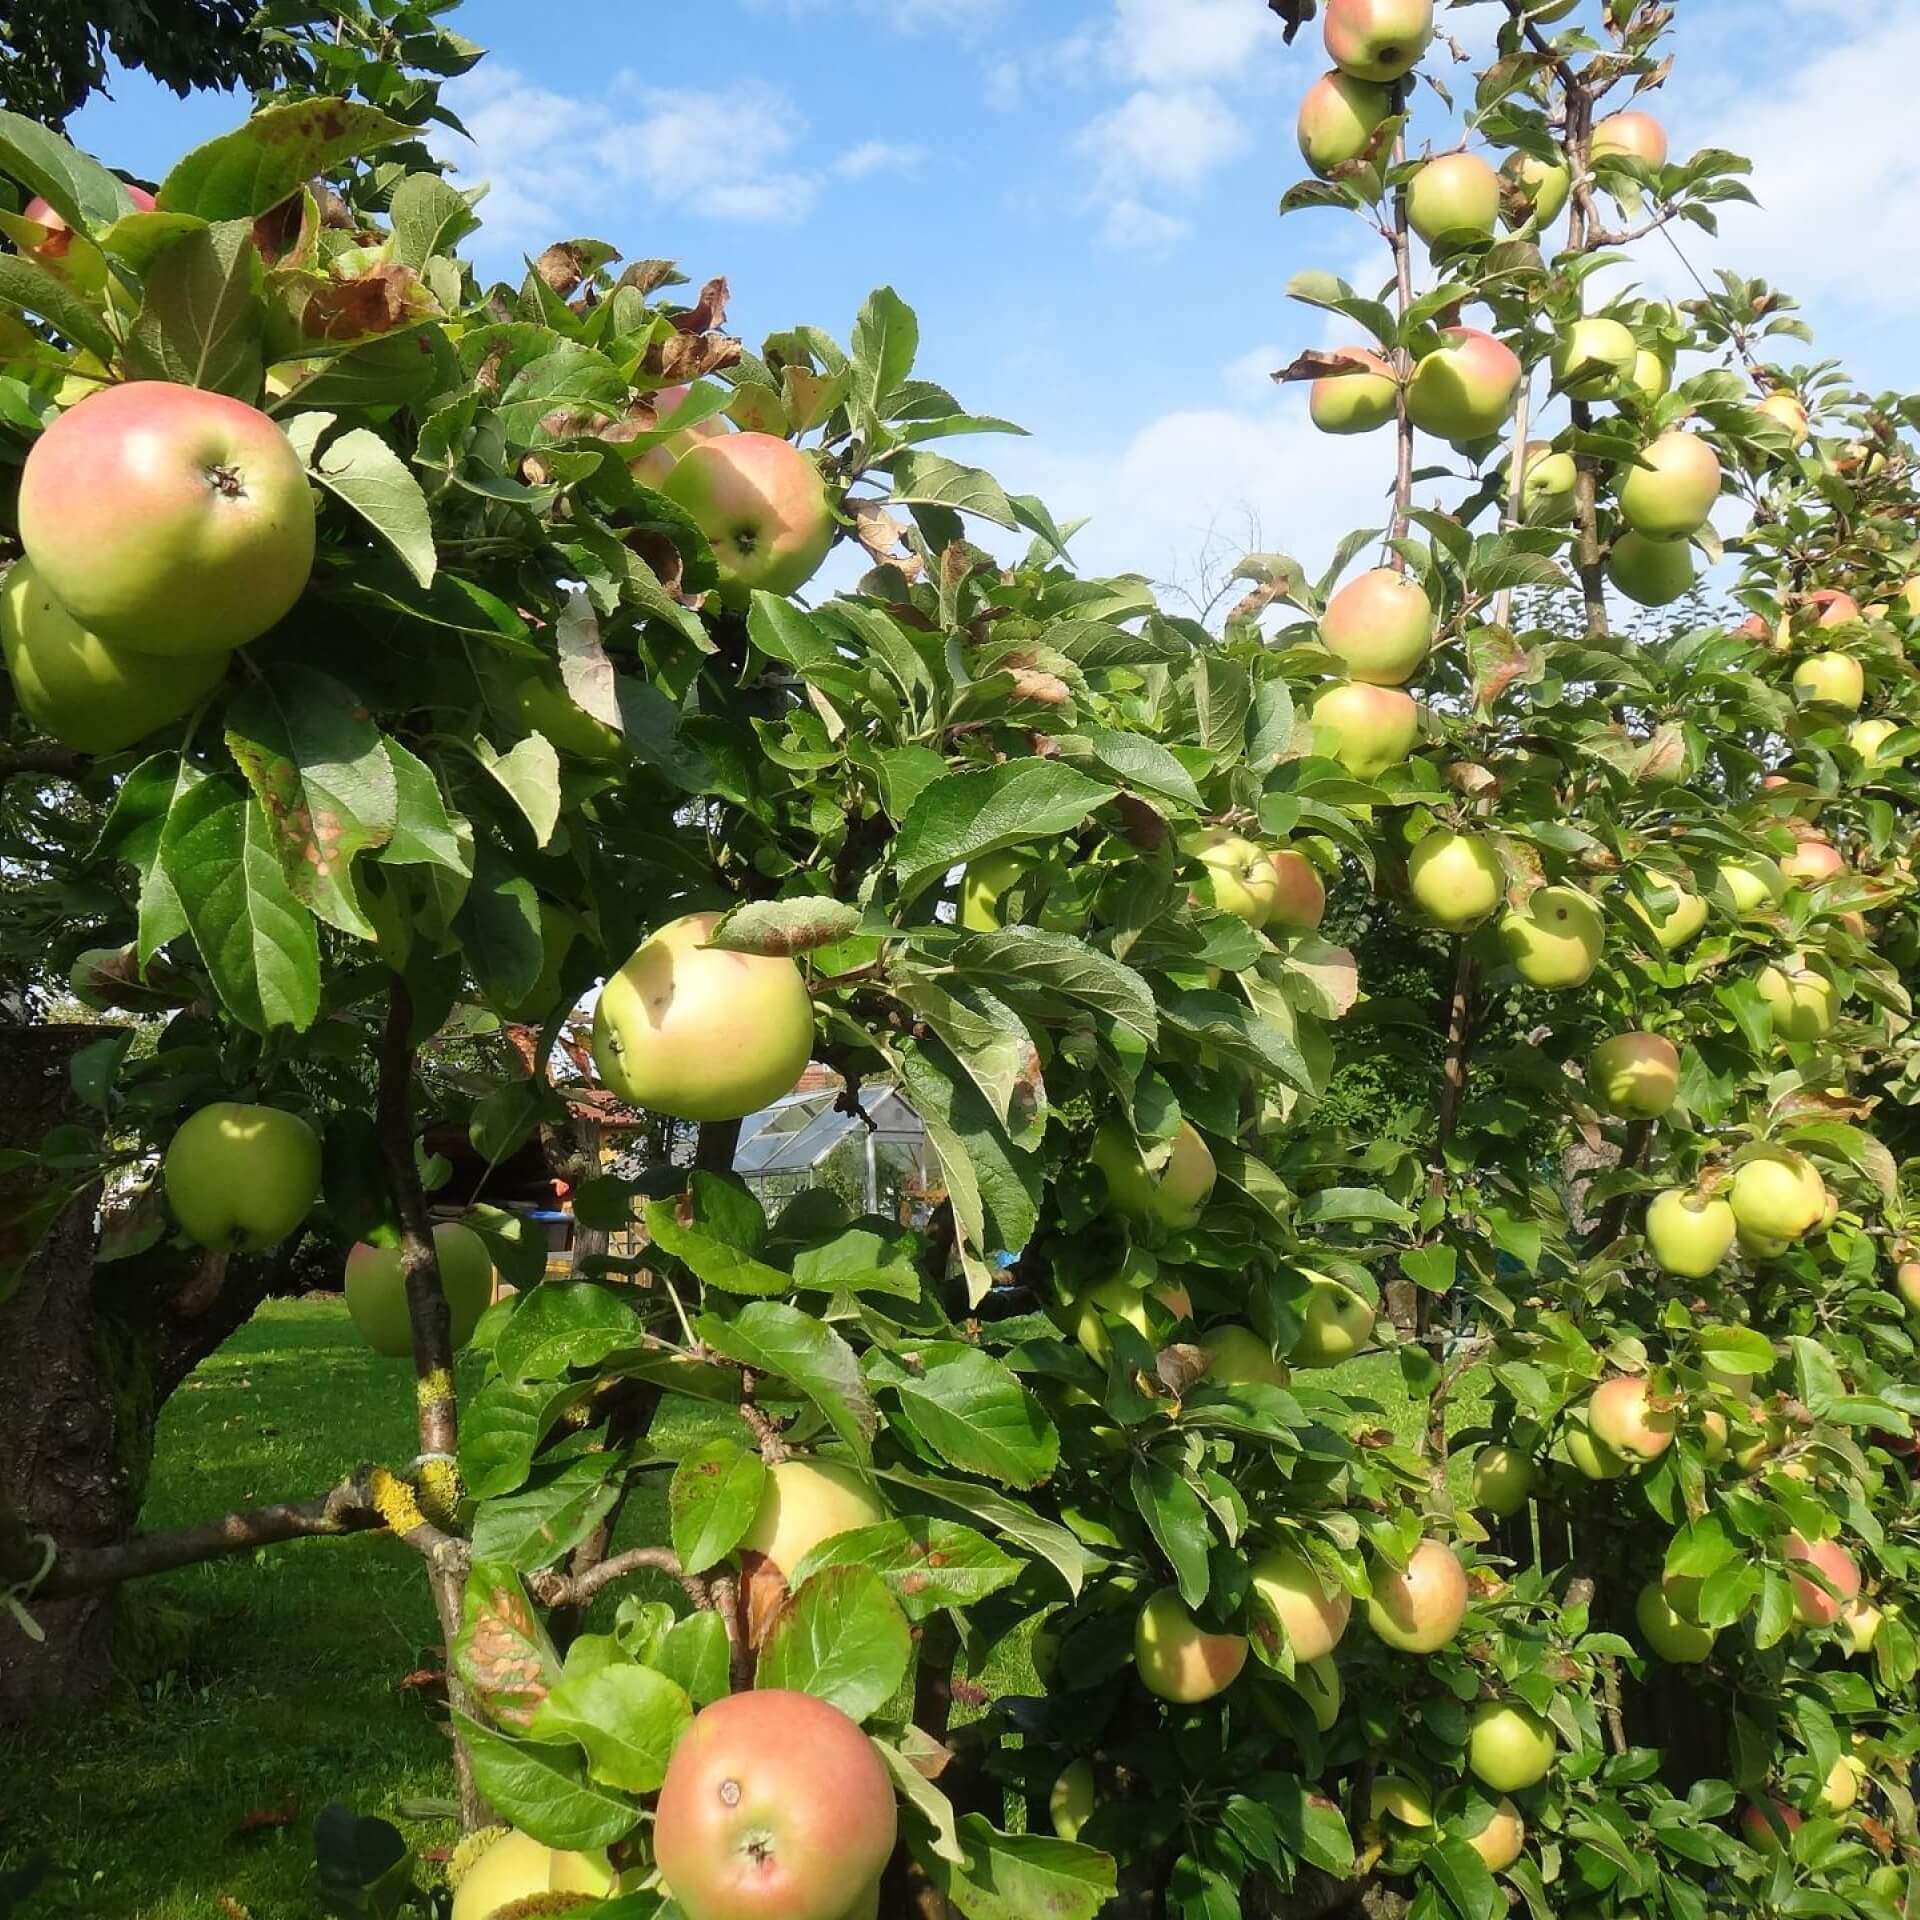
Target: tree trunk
92, 1354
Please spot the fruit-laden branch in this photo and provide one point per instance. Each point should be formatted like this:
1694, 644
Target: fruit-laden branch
1582, 224
1402, 245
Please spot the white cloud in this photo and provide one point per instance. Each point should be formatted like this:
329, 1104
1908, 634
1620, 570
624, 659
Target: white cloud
1140, 229
1166, 42
878, 156
969, 18
1163, 139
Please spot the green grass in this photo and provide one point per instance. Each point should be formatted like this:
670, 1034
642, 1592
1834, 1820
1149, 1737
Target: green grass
291, 1696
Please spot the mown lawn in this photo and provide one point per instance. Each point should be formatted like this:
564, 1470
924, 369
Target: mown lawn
195, 1800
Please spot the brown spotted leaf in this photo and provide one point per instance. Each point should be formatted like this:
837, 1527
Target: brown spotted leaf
690, 356
785, 926
502, 1651
378, 301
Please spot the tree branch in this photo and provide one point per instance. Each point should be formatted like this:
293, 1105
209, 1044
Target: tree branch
554, 1589
59, 762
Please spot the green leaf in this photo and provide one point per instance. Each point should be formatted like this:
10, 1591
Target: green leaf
841, 1638
694, 1656
499, 928
971, 1410
959, 818
318, 766
533, 1529
530, 773
425, 832
257, 940
1177, 1518
258, 165
927, 1564
1471, 1891
713, 1260
544, 1792
427, 216
932, 480
774, 1338
1737, 1350
712, 1500
886, 336
927, 1800
784, 927
1013, 958
871, 1256
1136, 760
501, 1428
74, 184
562, 1324
1018, 1876
201, 319
360, 469
627, 1717
134, 831
1010, 1519
27, 288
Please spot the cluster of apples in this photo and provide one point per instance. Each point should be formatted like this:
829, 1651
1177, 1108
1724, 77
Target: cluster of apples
1828, 680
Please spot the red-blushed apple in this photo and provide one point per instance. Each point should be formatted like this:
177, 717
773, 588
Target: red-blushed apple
775, 1807
1169, 1182
1591, 355
1669, 1633
241, 1178
1377, 39
1177, 1659
1812, 862
1509, 1747
515, 1867
1635, 1075
1630, 136
1502, 1839
652, 467
1242, 874
59, 236
1503, 1479
78, 690
1555, 939
1335, 1324
1653, 573
1238, 1357
764, 510
1456, 879
1670, 491
1547, 483
1778, 1194
1367, 729
1466, 387
1301, 902
1868, 738
1788, 411
1540, 186
1830, 680
1690, 1235
1815, 1605
1623, 1413
166, 519
1070, 1805
1418, 1608
1298, 1604
699, 1033
1803, 1003
1831, 607
376, 1287
1770, 1829
1356, 401
1338, 120
1453, 197
1379, 627
1672, 926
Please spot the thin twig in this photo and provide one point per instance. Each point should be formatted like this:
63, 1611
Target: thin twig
555, 1589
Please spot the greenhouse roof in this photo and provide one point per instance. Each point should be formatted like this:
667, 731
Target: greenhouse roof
795, 1134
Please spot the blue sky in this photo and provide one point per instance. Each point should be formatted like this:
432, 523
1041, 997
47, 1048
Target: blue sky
1079, 198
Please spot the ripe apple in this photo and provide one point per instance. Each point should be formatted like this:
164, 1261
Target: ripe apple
1621, 1414
1503, 1480
1832, 608
1379, 627
1502, 1840
1509, 1748
1754, 883
1555, 939
1812, 862
1547, 483
1813, 1604
1771, 1829
1630, 136
1652, 374
1335, 1327
1367, 729
1358, 400
1301, 902
1866, 738
1466, 387
1673, 926
1652, 573
376, 1286
1311, 1612
1245, 881
515, 1867
1177, 1659
1786, 410
1689, 1236
1671, 491
1802, 1002
775, 1807
1830, 680
1543, 185
1593, 1459
1778, 1194
764, 510
804, 1503
1454, 197
1635, 1075
1418, 1608
167, 519
1070, 1805
1338, 120
1456, 879
1238, 1357
652, 467
1591, 355
1174, 1190
78, 690
59, 236
700, 1033
1669, 1633
1378, 39
241, 1178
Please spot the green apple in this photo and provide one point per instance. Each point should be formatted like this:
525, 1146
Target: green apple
1503, 1480
1787, 411
1592, 1458
1242, 874
168, 519
1830, 680
1652, 573
78, 690
1541, 186
1397, 1797
1338, 120
376, 1286
1672, 927
1630, 136
1455, 197
1547, 483
1689, 1235
1119, 1296
1652, 374
1509, 1748
1669, 1633
1070, 1804
514, 1868
764, 510
1363, 396
1336, 1324
1418, 1608
700, 1033
542, 704
1466, 387
1177, 1659
1778, 1193
1238, 1357
1635, 1076
1366, 728
1555, 939
1868, 737
1169, 1182
1671, 489
1379, 627
1456, 879
1591, 355
1803, 1003
1860, 1624
241, 1178
1380, 40
1754, 883
804, 1503
1310, 1610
